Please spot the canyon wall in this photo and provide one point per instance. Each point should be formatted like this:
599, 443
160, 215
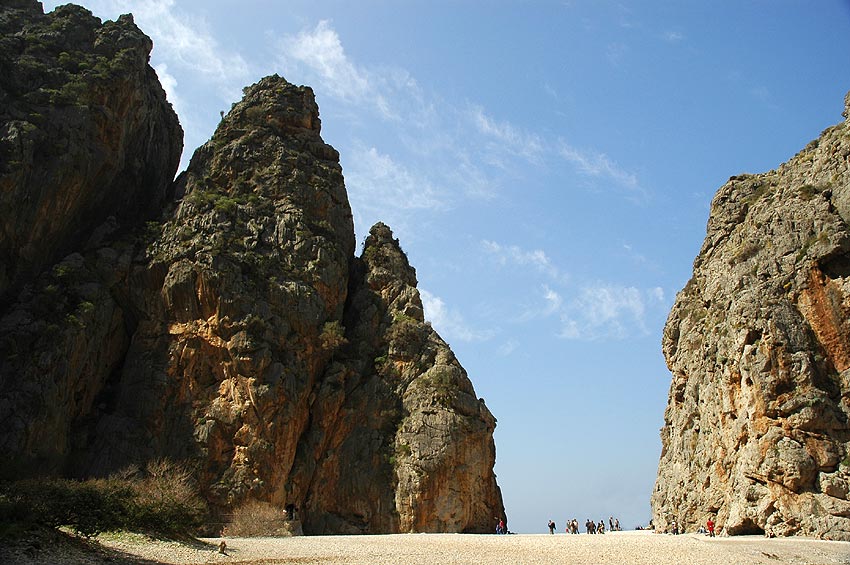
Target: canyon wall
757, 428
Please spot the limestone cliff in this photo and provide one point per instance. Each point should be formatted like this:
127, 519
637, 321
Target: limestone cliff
88, 149
240, 333
757, 427
80, 109
403, 407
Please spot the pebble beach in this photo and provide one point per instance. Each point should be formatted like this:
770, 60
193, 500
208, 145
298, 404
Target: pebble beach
634, 547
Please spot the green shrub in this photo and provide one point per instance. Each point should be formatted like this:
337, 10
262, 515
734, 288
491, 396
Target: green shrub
332, 336
226, 204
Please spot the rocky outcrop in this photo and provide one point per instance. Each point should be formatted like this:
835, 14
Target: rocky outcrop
85, 133
399, 405
88, 149
237, 331
757, 427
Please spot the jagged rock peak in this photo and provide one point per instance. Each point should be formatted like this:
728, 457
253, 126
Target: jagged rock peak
269, 145
276, 103
757, 426
386, 262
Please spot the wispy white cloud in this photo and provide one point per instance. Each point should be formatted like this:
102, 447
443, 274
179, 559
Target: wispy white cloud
321, 50
657, 293
584, 312
514, 255
635, 256
319, 54
448, 322
764, 96
554, 301
461, 143
181, 39
616, 52
169, 84
508, 347
604, 311
507, 137
379, 186
545, 303
673, 36
599, 165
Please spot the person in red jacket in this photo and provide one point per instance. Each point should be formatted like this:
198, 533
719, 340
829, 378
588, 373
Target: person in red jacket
710, 527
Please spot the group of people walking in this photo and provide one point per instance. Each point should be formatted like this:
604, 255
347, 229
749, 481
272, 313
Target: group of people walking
590, 526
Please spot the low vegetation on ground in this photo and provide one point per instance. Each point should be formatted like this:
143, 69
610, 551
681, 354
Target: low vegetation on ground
159, 499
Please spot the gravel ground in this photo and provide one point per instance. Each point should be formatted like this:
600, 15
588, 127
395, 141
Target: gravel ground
414, 549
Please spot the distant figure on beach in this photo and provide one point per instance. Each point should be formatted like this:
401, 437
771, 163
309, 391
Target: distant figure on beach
574, 526
617, 524
600, 529
710, 526
589, 526
552, 527
610, 523
222, 547
500, 526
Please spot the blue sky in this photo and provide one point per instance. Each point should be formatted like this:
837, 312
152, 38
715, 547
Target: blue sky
548, 168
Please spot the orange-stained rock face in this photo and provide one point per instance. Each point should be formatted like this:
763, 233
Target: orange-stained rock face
824, 305
757, 426
238, 332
